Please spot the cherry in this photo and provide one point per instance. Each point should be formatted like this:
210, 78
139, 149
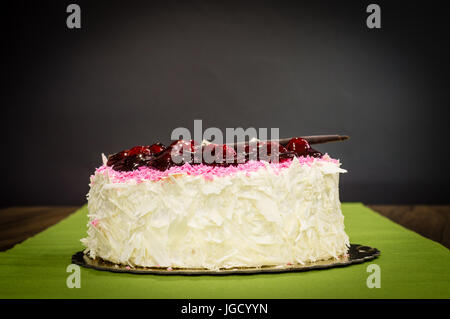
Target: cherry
218, 154
183, 151
299, 146
112, 159
228, 152
126, 164
180, 152
130, 159
179, 145
281, 148
139, 150
157, 148
163, 161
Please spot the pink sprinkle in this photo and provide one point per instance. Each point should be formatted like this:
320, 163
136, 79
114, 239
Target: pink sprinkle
128, 267
208, 172
169, 269
94, 222
289, 264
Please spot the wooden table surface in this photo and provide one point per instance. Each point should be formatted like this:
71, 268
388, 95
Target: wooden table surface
20, 223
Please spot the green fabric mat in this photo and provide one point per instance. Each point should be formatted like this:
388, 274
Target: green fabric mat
411, 267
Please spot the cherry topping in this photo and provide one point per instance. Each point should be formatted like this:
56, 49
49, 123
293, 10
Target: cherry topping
157, 148
228, 153
299, 146
218, 154
139, 150
163, 161
181, 152
112, 159
182, 144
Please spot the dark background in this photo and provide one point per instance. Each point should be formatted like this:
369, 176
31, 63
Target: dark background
136, 70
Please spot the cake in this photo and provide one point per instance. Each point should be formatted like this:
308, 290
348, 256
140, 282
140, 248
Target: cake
145, 210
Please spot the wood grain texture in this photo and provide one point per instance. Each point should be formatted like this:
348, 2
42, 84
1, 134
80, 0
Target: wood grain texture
20, 223
429, 221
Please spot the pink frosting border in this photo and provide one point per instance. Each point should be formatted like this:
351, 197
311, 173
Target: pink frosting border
207, 171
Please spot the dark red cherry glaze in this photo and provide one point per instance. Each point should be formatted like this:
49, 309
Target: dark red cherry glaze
139, 150
299, 146
163, 161
218, 155
181, 152
113, 159
272, 148
228, 152
157, 148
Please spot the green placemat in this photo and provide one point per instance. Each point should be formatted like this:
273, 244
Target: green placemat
411, 267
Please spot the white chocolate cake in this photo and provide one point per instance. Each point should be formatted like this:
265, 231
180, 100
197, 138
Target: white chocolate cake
204, 216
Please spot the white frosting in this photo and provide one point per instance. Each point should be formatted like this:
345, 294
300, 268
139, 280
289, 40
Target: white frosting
247, 219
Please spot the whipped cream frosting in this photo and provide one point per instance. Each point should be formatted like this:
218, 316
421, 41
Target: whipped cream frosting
250, 215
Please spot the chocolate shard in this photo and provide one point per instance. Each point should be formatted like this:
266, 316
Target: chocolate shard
318, 139
313, 139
